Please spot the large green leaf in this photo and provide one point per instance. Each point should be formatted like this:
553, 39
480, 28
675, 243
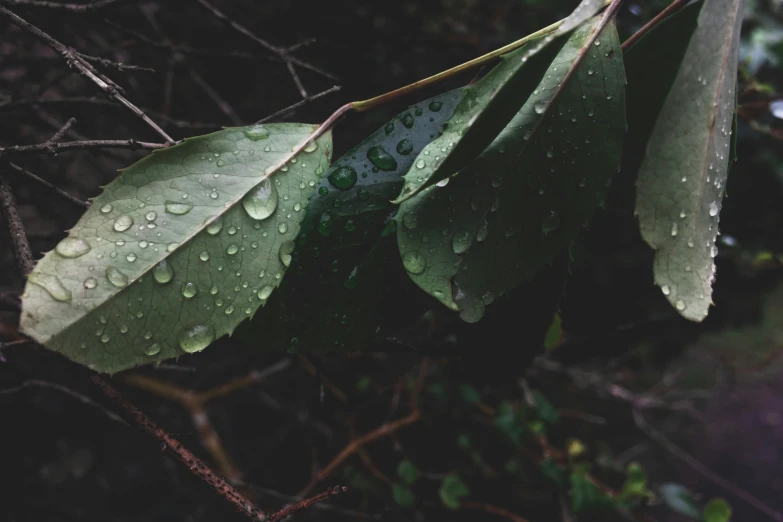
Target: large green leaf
510, 211
489, 105
486, 108
178, 250
682, 177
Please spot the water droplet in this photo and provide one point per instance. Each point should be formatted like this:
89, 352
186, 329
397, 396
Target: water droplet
162, 273
414, 262
52, 285
151, 215
105, 209
285, 253
189, 290
131, 257
405, 147
214, 227
232, 249
674, 229
435, 106
442, 183
713, 251
420, 164
116, 277
381, 159
90, 282
257, 132
177, 209
343, 178
105, 338
72, 247
540, 106
282, 228
460, 243
123, 223
407, 120
713, 209
229, 310
196, 339
153, 349
665, 290
265, 292
550, 152
550, 223
311, 147
389, 128
204, 255
410, 220
261, 201
679, 305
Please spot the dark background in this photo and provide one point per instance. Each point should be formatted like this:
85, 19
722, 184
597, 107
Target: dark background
62, 458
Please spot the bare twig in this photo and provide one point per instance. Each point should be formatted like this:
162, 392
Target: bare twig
222, 104
285, 512
281, 52
61, 132
55, 148
684, 456
671, 8
21, 247
381, 431
63, 389
116, 65
298, 104
495, 510
45, 183
74, 59
58, 6
194, 464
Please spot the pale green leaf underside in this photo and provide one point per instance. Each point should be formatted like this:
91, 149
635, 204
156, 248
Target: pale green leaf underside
176, 259
683, 175
503, 217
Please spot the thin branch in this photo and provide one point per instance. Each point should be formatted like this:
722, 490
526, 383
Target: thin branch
55, 148
61, 132
194, 464
63, 389
222, 104
21, 247
495, 510
298, 104
281, 52
74, 59
61, 192
116, 65
684, 456
290, 510
381, 431
676, 5
57, 6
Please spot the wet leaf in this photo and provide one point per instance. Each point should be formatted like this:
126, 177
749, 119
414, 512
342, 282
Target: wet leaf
508, 213
489, 105
178, 250
451, 491
403, 495
679, 499
716, 510
683, 174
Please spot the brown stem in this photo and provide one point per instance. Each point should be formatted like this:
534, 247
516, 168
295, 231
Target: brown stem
495, 510
194, 464
21, 247
53, 148
670, 9
285, 512
58, 6
45, 183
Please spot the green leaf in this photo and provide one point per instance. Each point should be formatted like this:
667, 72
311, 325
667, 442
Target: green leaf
545, 411
682, 177
679, 499
554, 335
716, 510
342, 247
553, 471
407, 472
586, 496
451, 491
178, 250
469, 393
506, 215
403, 495
511, 422
487, 107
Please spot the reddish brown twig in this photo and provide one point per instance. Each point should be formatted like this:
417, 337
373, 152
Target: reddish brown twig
58, 6
495, 510
676, 5
194, 464
381, 431
48, 185
283, 513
